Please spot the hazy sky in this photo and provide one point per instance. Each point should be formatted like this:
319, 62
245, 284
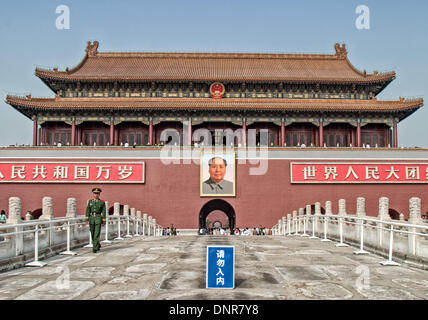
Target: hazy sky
397, 40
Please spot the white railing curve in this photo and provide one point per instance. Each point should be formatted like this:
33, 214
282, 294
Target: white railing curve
407, 238
31, 236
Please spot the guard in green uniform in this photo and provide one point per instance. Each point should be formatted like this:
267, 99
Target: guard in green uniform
96, 215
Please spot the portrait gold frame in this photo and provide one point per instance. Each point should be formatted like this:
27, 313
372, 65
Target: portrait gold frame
201, 166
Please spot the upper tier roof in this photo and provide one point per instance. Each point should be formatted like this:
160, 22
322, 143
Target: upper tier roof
163, 66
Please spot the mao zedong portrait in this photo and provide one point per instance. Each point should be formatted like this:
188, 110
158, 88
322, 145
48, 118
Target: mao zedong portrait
216, 184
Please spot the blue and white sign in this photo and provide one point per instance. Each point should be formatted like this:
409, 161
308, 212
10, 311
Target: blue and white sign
221, 267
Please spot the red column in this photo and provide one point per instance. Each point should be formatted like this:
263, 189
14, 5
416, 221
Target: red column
358, 135
116, 136
111, 133
315, 135
41, 140
79, 135
189, 132
151, 132
321, 134
394, 132
35, 132
282, 133
244, 132
73, 133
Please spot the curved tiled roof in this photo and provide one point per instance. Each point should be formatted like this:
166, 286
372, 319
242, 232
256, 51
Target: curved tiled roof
157, 66
211, 104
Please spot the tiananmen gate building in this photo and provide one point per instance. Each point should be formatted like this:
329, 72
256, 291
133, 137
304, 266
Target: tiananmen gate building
146, 127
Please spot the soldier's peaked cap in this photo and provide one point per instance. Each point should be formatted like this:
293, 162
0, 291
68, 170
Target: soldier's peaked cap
96, 190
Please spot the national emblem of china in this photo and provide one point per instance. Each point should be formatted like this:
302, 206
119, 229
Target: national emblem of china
217, 90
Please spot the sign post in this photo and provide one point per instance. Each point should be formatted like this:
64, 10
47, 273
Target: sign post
220, 267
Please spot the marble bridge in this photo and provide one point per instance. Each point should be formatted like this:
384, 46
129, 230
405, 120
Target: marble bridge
267, 267
309, 256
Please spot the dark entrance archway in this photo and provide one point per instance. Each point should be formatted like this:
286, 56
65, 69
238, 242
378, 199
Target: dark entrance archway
216, 204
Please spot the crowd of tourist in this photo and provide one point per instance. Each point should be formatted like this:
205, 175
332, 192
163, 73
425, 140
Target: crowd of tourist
171, 231
219, 231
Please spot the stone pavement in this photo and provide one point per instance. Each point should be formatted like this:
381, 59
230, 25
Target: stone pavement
174, 268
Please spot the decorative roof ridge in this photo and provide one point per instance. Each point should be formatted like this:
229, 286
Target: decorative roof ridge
92, 51
214, 55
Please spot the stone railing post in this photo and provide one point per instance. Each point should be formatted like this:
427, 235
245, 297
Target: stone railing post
279, 227
328, 212
294, 225
154, 226
15, 218
361, 213
284, 219
127, 221
117, 219
47, 214
149, 225
305, 222
361, 207
301, 213
126, 210
137, 223
383, 215
317, 216
342, 207
384, 209
341, 222
47, 209
132, 213
144, 224
71, 213
308, 212
14, 210
116, 209
71, 208
414, 218
289, 223
116, 215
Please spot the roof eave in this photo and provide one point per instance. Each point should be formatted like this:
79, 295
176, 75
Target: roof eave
48, 76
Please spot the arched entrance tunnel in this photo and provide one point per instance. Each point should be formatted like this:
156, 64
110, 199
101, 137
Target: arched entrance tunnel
214, 207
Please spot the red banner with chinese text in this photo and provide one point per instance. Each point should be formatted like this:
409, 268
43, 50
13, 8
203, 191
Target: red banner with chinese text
374, 172
72, 172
